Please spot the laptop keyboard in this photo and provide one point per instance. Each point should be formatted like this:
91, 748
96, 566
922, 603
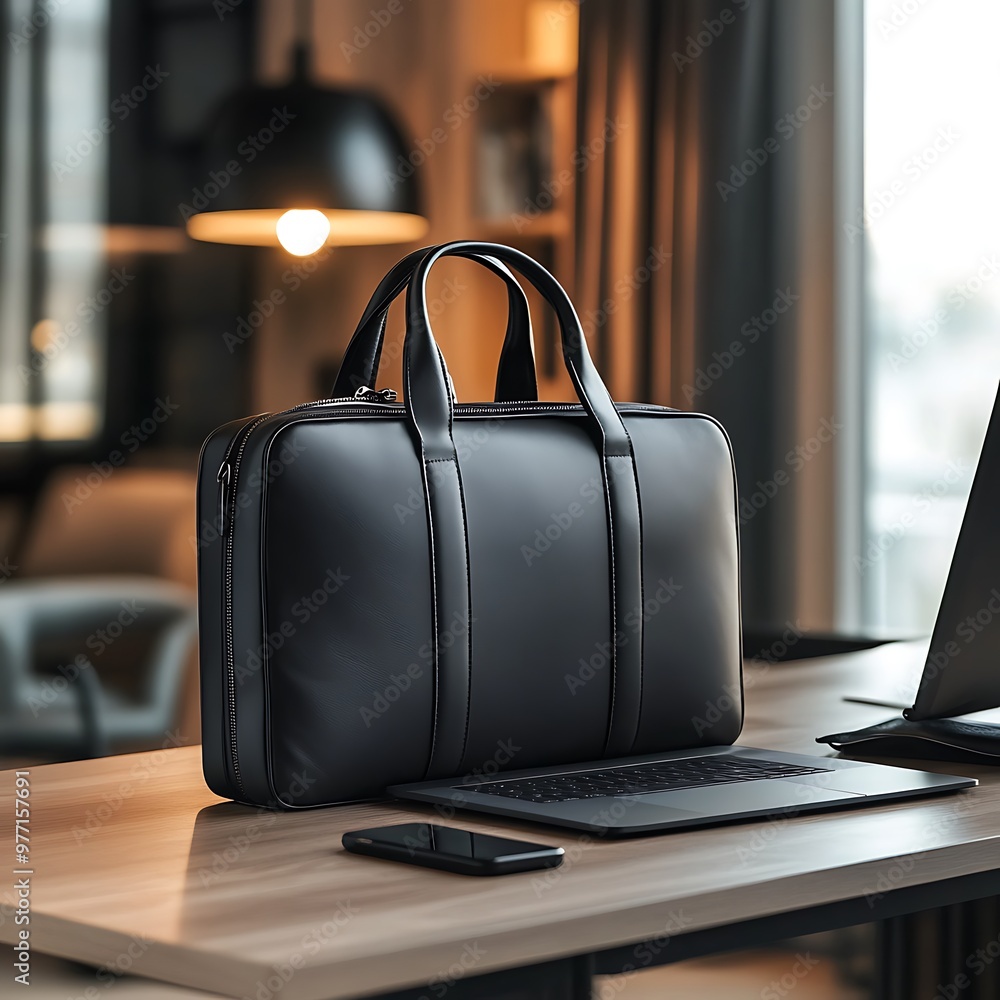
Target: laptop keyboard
638, 779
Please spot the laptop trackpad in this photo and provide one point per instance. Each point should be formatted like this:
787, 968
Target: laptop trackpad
722, 800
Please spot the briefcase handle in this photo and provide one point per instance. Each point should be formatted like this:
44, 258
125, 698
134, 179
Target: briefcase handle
430, 412
515, 372
427, 384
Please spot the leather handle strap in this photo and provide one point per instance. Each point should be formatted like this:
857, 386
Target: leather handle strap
430, 414
515, 372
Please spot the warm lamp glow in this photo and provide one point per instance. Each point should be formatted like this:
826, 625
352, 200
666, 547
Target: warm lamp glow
302, 231
44, 334
348, 227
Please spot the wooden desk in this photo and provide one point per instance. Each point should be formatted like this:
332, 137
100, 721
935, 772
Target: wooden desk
136, 862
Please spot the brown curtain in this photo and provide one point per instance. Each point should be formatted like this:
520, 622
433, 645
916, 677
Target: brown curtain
706, 243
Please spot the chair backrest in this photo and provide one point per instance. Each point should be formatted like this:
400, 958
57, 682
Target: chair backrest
132, 521
129, 522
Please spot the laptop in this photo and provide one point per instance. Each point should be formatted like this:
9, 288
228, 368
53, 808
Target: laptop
960, 673
680, 789
960, 681
691, 788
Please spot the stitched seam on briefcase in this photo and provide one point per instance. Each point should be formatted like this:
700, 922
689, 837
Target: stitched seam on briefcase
468, 627
434, 588
434, 613
468, 586
468, 572
585, 399
614, 604
642, 594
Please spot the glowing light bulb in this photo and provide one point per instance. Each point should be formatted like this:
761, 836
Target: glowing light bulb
302, 231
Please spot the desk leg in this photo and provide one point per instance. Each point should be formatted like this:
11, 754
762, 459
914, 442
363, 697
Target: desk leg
896, 952
949, 952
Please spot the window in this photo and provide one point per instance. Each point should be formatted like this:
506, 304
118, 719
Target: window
932, 343
54, 280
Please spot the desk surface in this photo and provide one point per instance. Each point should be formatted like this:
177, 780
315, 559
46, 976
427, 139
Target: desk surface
133, 866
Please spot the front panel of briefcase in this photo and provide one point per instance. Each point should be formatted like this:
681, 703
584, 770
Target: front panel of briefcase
428, 589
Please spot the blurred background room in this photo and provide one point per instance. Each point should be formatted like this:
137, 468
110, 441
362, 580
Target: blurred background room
782, 213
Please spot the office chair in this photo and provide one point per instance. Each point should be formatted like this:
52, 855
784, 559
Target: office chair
65, 710
94, 549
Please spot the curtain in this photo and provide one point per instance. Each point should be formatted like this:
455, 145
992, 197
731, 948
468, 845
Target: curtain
706, 242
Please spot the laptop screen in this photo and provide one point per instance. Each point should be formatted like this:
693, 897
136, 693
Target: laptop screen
962, 671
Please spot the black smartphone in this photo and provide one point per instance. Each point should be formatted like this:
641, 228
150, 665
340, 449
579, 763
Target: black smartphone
460, 851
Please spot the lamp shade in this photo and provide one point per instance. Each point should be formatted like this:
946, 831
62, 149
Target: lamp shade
298, 155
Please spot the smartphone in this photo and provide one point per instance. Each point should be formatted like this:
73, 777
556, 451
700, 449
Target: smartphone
460, 851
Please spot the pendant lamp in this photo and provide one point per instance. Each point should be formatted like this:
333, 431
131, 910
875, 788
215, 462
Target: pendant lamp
303, 166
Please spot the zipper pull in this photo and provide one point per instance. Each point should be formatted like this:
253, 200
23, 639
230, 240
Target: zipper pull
369, 395
225, 472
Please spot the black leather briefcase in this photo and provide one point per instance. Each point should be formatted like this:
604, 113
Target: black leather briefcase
397, 590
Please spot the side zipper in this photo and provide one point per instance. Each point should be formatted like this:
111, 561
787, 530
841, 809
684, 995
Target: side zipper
227, 491
228, 477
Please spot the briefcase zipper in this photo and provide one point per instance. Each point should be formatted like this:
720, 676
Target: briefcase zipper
376, 395
384, 401
227, 479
